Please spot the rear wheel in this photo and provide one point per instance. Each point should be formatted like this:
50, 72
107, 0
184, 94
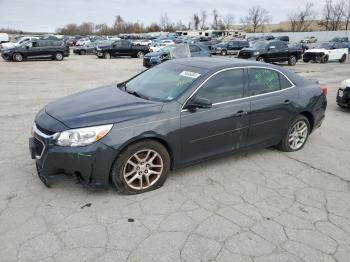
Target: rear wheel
17, 57
292, 60
305, 60
140, 54
106, 55
342, 59
58, 56
296, 136
142, 167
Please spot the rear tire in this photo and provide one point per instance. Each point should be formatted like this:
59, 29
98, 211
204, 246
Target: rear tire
342, 59
17, 57
133, 172
58, 56
305, 60
140, 54
296, 136
292, 60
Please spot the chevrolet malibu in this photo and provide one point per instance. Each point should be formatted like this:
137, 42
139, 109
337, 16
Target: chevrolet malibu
176, 114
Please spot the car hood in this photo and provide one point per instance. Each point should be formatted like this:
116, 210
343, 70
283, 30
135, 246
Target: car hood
100, 106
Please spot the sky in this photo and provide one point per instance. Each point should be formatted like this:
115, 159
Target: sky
47, 15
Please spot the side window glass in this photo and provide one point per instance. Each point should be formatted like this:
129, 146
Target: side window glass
284, 82
263, 80
224, 86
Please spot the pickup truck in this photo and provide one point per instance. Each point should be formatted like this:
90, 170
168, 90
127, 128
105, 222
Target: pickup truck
271, 51
325, 52
121, 48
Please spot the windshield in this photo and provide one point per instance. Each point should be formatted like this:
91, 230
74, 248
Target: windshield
259, 45
164, 82
324, 46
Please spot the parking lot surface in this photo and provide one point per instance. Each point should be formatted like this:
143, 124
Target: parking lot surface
263, 206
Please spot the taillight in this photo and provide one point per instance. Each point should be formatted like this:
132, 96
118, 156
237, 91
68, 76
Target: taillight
324, 90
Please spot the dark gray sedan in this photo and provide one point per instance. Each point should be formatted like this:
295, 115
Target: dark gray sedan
176, 114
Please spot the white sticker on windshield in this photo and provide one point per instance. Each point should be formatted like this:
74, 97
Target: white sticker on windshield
189, 74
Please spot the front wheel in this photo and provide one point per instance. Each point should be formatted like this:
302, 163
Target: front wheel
296, 136
142, 167
223, 52
342, 59
17, 57
82, 52
324, 59
106, 55
261, 59
58, 56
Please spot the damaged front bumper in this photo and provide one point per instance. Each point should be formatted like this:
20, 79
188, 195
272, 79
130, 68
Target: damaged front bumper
90, 164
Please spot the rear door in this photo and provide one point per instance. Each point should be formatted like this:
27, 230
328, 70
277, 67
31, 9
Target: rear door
195, 51
224, 126
273, 105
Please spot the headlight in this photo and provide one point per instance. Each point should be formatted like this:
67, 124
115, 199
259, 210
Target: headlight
256, 53
82, 136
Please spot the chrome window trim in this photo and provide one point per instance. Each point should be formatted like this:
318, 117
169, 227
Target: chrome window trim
243, 98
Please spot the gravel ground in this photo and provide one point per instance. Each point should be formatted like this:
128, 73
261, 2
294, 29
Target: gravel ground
263, 206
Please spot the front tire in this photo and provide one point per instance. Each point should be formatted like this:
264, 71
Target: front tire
261, 59
17, 57
142, 167
140, 55
82, 52
223, 52
296, 136
324, 59
106, 55
292, 60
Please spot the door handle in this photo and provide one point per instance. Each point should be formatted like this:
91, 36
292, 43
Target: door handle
240, 113
287, 102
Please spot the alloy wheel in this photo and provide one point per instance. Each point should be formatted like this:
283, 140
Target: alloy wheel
143, 169
298, 135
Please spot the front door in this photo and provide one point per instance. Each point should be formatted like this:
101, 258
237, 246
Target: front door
221, 128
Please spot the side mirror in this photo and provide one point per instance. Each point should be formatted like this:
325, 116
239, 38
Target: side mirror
198, 102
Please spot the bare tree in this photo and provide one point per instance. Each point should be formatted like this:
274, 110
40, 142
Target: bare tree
326, 15
203, 19
165, 23
257, 17
347, 16
196, 21
301, 19
229, 21
338, 12
215, 19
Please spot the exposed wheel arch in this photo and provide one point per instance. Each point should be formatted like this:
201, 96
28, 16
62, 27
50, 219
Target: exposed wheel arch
310, 117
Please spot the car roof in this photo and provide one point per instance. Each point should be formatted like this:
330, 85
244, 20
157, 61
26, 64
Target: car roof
214, 63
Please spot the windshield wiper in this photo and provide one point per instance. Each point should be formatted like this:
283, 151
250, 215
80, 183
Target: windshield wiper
137, 94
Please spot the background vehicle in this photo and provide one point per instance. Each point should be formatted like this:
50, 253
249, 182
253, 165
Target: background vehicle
19, 42
4, 38
303, 47
325, 52
121, 48
284, 38
82, 41
89, 48
343, 94
173, 52
229, 48
176, 114
36, 49
309, 39
271, 51
146, 42
71, 42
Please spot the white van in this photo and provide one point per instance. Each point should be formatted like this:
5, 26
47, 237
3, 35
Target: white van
4, 38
